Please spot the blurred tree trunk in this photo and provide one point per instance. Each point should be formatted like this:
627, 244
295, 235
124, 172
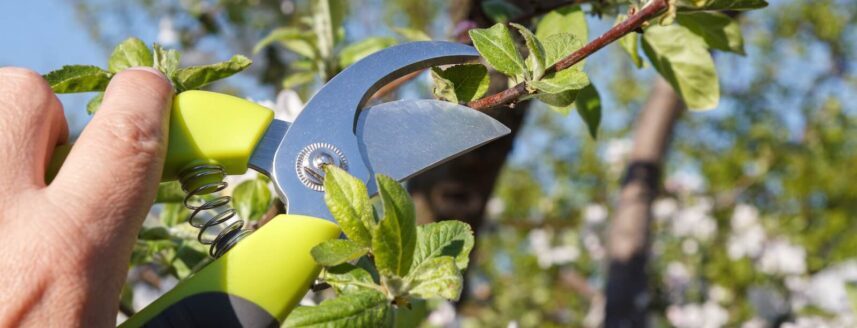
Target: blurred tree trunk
628, 235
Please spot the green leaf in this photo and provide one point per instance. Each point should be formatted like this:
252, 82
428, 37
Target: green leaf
348, 201
169, 192
189, 259
438, 277
412, 34
536, 57
154, 233
195, 77
78, 78
337, 251
719, 31
564, 80
588, 105
630, 43
445, 238
560, 45
560, 102
130, 53
568, 19
501, 11
299, 42
251, 199
348, 278
695, 5
365, 308
173, 213
496, 46
395, 237
94, 103
298, 78
682, 58
166, 61
460, 83
359, 50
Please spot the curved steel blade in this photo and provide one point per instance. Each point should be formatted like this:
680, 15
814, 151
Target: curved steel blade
402, 138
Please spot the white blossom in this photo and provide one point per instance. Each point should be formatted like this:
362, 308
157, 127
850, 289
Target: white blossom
664, 208
443, 316
594, 214
707, 315
677, 276
685, 181
617, 151
495, 207
694, 221
167, 34
547, 256
782, 257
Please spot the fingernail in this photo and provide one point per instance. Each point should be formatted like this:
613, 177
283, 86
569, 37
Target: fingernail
150, 70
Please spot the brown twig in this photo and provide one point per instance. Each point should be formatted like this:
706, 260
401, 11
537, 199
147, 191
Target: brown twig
511, 95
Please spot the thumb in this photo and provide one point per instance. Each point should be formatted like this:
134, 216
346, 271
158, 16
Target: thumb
112, 173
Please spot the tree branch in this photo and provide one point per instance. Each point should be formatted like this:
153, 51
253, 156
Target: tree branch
512, 95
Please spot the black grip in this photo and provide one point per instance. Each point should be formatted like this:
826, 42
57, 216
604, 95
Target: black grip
213, 309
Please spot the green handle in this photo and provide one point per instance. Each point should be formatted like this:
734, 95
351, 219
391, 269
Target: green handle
205, 127
256, 284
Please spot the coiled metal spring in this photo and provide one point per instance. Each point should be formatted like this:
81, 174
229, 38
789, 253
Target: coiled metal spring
214, 217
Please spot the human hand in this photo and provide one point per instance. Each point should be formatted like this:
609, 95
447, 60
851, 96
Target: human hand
65, 247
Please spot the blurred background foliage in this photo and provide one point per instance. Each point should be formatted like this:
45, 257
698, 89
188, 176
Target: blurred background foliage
754, 226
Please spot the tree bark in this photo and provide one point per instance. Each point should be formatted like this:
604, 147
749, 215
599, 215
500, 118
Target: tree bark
628, 235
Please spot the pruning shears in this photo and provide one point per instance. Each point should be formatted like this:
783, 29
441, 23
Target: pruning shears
259, 277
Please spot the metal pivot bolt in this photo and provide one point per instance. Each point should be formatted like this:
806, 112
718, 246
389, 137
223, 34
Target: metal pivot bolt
311, 161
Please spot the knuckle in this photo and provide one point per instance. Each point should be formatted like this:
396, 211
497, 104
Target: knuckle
25, 86
148, 84
134, 137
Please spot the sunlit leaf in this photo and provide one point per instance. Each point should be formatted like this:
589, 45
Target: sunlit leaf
78, 78
445, 238
438, 277
719, 31
195, 77
495, 44
366, 308
94, 103
337, 251
682, 58
394, 238
347, 278
359, 50
536, 57
251, 199
460, 83
348, 201
569, 19
130, 53
588, 105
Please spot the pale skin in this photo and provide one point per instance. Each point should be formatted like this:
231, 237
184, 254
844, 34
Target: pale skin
65, 247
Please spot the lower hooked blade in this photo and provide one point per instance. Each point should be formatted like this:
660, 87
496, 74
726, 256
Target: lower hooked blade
402, 138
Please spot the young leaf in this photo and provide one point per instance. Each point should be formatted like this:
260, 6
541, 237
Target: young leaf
78, 78
444, 238
169, 192
501, 11
719, 31
412, 34
195, 77
166, 61
298, 78
564, 80
130, 53
359, 50
536, 58
682, 58
251, 199
94, 103
347, 278
365, 308
496, 46
298, 41
337, 251
395, 237
630, 43
588, 105
568, 19
460, 83
439, 277
348, 201
560, 102
694, 5
560, 45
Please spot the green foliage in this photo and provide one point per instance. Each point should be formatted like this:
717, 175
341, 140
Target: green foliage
78, 78
682, 58
460, 83
630, 43
567, 19
401, 264
365, 308
133, 53
394, 238
251, 199
588, 105
358, 50
719, 31
500, 10
412, 34
496, 46
130, 53
694, 5
336, 252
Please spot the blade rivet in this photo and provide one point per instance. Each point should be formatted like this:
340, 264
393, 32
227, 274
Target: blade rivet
311, 161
